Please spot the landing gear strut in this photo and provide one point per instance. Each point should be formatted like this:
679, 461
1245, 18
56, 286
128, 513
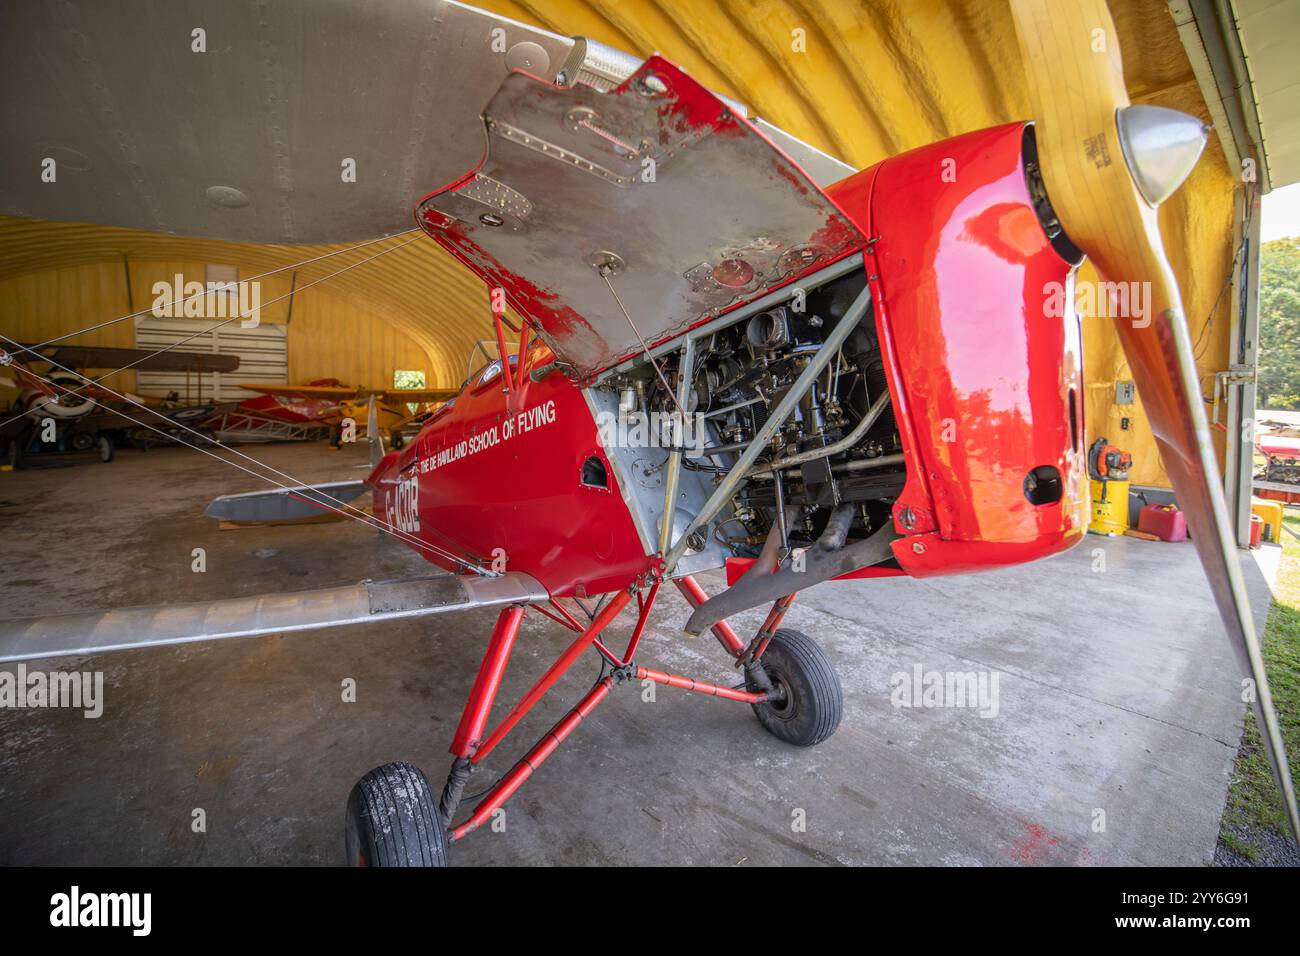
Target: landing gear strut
393, 817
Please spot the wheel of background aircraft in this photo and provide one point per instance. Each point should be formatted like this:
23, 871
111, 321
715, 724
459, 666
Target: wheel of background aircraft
68, 405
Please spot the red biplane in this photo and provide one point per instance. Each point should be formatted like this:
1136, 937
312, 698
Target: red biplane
725, 364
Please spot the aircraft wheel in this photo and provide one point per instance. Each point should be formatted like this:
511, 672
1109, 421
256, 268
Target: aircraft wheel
396, 441
105, 446
810, 701
392, 820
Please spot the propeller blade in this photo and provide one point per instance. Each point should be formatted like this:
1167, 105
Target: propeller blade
1107, 164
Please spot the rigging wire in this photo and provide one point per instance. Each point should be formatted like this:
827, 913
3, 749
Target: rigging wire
356, 513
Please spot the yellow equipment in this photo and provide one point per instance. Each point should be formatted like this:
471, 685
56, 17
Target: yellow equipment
1109, 506
1271, 513
1108, 467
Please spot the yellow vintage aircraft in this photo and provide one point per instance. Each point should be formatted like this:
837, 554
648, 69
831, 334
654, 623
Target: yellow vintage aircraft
332, 402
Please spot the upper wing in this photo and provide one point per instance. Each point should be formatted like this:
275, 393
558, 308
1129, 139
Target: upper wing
237, 120
245, 141
86, 357
419, 396
303, 391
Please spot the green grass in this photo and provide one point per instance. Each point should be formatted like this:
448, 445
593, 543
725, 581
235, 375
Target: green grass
1253, 798
1240, 846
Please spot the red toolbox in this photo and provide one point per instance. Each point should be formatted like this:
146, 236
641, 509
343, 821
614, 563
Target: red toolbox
1164, 521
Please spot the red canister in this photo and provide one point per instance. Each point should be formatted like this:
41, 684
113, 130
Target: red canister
1256, 531
1164, 521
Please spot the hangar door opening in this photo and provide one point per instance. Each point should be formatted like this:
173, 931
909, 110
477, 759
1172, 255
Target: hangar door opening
263, 357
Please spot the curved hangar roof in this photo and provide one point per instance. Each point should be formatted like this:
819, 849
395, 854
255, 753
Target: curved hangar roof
141, 127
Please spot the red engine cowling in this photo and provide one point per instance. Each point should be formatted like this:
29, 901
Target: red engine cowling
974, 308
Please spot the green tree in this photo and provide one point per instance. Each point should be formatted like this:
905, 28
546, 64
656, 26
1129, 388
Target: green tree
1279, 324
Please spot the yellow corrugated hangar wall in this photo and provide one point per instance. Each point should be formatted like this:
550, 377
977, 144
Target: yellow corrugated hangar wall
865, 79
860, 79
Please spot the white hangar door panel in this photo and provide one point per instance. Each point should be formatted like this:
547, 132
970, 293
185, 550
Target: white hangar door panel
263, 357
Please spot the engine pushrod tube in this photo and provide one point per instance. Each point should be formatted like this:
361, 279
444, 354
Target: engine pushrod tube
723, 493
845, 443
833, 271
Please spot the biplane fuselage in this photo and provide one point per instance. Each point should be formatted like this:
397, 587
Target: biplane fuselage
983, 359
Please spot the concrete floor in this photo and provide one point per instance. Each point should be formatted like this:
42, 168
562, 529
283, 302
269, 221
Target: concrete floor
1117, 693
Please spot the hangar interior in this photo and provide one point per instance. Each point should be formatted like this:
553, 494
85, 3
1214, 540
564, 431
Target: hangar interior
254, 731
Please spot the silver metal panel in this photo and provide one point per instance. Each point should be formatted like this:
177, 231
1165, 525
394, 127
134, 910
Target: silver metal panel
286, 504
96, 632
776, 297
725, 217
141, 127
640, 474
604, 67
822, 168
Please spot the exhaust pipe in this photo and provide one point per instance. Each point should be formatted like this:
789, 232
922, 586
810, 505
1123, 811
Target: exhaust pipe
820, 564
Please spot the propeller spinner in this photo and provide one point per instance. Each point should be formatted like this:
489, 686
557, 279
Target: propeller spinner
1107, 165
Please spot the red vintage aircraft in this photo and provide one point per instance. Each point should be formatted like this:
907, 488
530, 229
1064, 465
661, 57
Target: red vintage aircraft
722, 364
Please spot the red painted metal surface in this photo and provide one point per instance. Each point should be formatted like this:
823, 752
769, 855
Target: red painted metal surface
556, 670
644, 606
494, 485
1279, 494
983, 353
521, 771
699, 686
1280, 447
736, 568
293, 410
695, 596
475, 715
773, 621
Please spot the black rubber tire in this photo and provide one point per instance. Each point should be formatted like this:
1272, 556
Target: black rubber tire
813, 700
396, 441
392, 820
